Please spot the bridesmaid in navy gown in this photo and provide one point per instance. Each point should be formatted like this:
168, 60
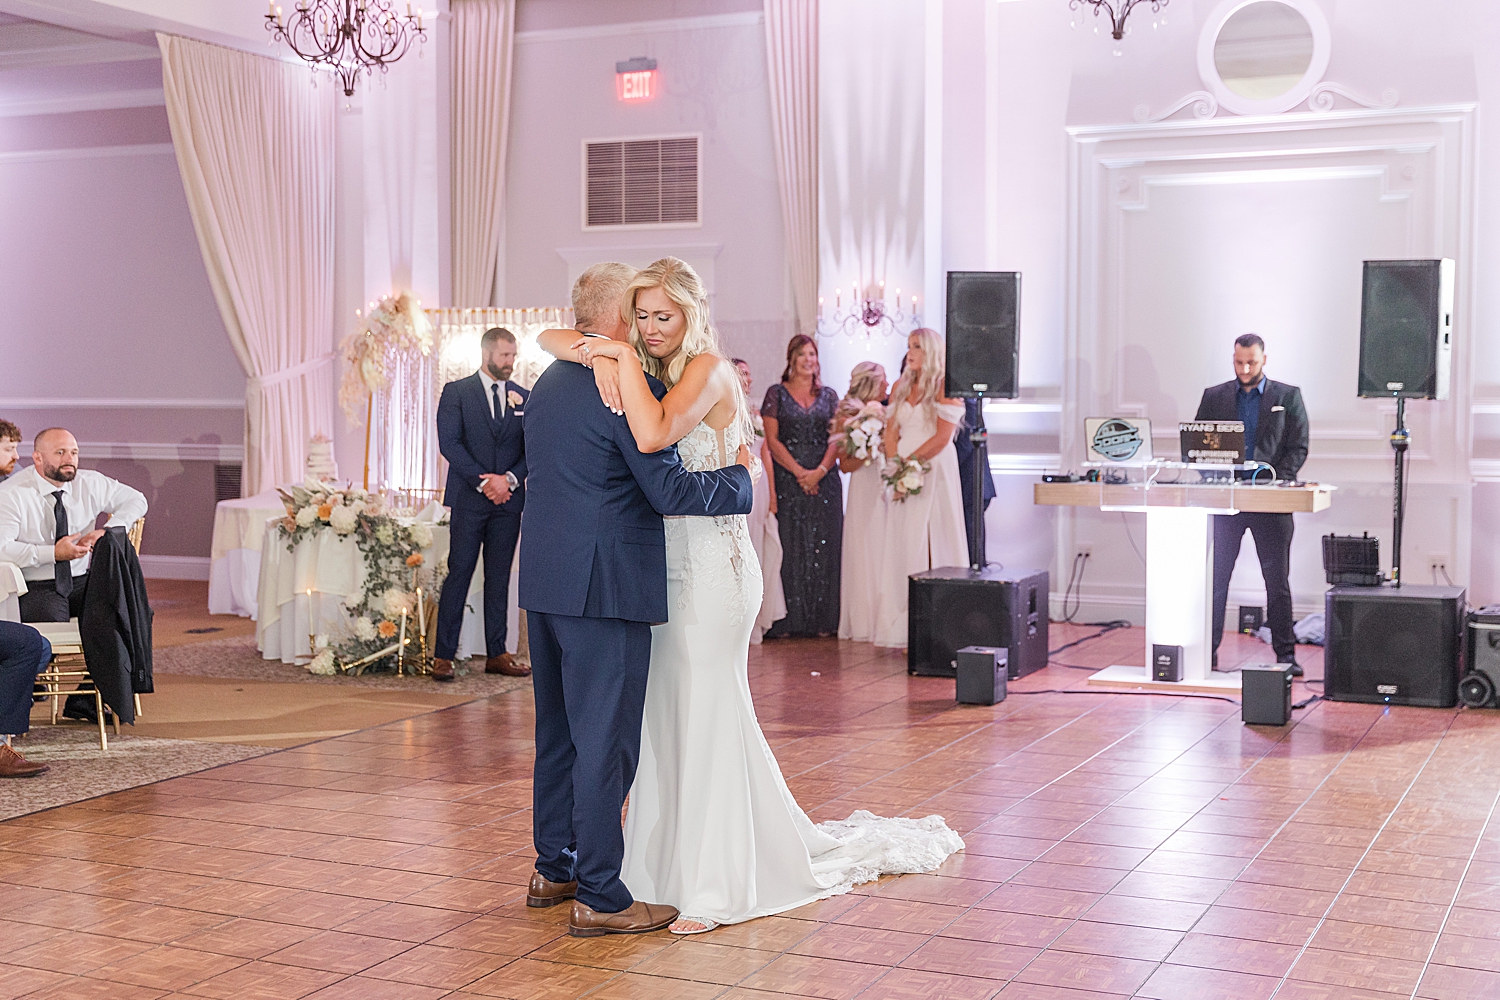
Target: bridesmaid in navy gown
809, 493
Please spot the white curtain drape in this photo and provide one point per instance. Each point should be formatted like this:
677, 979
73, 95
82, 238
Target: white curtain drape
792, 64
255, 144
483, 44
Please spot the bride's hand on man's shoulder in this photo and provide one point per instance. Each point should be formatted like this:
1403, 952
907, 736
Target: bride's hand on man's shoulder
599, 347
607, 381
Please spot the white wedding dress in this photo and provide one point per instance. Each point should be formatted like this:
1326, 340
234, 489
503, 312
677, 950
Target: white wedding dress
712, 828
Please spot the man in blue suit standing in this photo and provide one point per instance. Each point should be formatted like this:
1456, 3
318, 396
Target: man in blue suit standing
481, 432
593, 580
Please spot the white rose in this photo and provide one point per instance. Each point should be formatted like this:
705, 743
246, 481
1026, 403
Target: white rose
323, 663
344, 519
911, 481
395, 601
364, 629
307, 516
421, 535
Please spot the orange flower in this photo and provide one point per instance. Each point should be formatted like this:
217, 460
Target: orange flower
387, 629
289, 523
415, 559
325, 511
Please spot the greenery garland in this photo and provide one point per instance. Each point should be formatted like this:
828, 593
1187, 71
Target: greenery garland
395, 566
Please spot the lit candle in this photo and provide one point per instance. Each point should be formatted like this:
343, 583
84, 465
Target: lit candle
838, 299
401, 641
820, 307
898, 300
882, 291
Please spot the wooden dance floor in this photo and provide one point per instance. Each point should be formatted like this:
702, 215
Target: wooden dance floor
1118, 845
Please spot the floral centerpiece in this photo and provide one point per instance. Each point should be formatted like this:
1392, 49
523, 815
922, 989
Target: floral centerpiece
903, 477
395, 568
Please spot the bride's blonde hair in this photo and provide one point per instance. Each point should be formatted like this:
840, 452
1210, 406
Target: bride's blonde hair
680, 283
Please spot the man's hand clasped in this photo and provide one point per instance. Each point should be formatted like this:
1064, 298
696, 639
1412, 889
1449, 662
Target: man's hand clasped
497, 488
76, 546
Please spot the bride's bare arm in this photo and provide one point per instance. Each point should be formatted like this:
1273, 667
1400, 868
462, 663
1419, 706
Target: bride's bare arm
657, 424
559, 344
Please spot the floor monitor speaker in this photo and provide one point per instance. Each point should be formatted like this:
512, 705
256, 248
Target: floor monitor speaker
948, 609
1394, 645
983, 352
1406, 329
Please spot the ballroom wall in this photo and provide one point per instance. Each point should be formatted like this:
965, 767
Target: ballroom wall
1016, 78
712, 72
113, 331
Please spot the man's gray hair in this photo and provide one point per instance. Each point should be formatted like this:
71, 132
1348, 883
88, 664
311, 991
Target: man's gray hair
597, 294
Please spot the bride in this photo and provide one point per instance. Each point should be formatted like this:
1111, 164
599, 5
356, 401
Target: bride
711, 826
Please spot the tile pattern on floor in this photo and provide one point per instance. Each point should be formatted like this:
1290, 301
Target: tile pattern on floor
1118, 845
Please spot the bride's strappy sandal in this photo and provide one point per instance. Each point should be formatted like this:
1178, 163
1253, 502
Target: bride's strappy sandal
702, 925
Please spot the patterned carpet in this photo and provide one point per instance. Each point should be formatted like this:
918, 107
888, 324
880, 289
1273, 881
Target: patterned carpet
80, 770
237, 658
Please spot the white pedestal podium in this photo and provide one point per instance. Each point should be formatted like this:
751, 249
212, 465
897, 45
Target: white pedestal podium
1180, 563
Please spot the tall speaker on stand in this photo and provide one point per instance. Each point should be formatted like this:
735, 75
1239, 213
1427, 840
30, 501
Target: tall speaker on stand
982, 361
1405, 352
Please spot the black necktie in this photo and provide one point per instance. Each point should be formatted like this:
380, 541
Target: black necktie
498, 410
62, 570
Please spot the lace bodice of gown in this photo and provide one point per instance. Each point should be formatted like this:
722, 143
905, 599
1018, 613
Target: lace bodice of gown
711, 552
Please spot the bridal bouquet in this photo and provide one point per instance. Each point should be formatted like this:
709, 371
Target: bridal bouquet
860, 438
904, 477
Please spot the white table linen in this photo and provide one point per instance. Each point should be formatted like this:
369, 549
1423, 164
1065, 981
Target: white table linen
234, 570
12, 586
307, 591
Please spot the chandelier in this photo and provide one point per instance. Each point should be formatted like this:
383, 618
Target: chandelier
348, 37
1118, 17
869, 312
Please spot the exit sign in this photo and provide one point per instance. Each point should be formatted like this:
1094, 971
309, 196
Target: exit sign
635, 79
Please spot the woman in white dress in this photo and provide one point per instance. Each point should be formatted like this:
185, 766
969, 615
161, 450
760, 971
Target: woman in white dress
765, 534
712, 827
864, 511
925, 530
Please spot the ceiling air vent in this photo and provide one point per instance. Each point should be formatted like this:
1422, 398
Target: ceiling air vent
641, 182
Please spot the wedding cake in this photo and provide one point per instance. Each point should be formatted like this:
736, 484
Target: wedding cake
320, 463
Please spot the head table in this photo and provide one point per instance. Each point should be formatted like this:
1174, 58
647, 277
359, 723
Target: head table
254, 576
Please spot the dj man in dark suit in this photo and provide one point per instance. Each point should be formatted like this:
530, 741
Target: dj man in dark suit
1275, 433
481, 433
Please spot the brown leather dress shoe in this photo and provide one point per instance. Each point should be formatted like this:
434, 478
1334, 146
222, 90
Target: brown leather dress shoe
442, 670
545, 892
13, 765
637, 918
506, 664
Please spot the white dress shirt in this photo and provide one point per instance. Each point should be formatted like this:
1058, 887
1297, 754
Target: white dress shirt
489, 394
28, 529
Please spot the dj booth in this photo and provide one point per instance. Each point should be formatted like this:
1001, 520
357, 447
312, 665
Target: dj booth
1180, 553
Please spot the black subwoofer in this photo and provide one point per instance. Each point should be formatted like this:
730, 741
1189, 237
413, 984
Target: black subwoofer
983, 339
1394, 645
951, 608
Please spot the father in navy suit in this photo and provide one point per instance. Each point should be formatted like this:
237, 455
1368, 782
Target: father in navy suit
593, 580
481, 433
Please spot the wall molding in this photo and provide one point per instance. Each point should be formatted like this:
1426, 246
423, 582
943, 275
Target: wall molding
102, 101
740, 19
175, 567
87, 153
161, 451
99, 403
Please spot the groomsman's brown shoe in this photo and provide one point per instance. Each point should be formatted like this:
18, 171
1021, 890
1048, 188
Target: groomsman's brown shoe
13, 765
637, 918
545, 892
442, 670
506, 664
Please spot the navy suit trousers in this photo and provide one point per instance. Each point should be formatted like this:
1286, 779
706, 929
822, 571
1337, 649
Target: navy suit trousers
24, 652
589, 677
495, 530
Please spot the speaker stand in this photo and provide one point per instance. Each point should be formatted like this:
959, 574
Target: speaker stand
1400, 441
979, 437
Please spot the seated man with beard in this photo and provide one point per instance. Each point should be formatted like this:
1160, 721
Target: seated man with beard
10, 448
47, 518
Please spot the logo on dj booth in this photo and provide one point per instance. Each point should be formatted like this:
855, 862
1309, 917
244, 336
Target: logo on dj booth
1117, 440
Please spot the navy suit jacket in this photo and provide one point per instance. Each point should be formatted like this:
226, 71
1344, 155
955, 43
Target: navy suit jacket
592, 543
474, 444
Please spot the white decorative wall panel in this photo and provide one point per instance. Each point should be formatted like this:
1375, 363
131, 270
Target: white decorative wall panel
1187, 234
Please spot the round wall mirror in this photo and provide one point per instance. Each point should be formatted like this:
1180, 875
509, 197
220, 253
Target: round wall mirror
1263, 50
1264, 56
